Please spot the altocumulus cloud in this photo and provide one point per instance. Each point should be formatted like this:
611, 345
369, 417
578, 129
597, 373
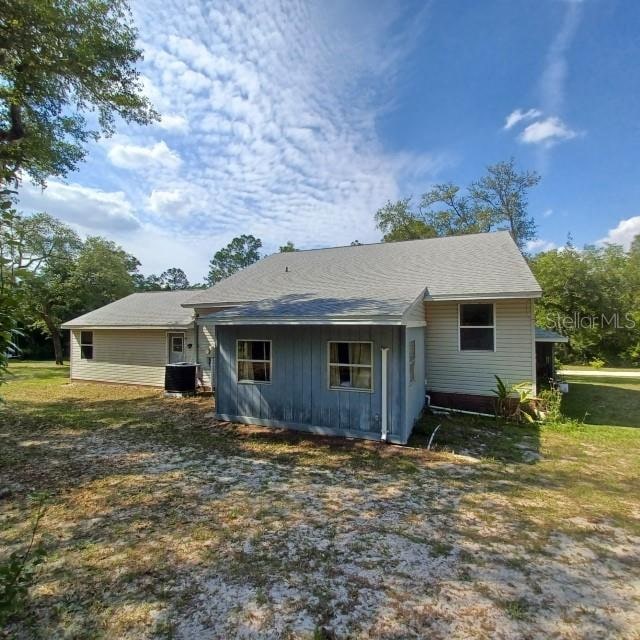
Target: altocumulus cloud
132, 156
268, 127
280, 103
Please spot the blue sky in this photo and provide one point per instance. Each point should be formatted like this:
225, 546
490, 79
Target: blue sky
297, 120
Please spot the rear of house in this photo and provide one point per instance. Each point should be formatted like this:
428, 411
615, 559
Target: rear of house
130, 341
345, 341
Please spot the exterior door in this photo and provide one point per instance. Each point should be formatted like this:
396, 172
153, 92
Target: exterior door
175, 347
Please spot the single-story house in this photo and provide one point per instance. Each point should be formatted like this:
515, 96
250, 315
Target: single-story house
342, 341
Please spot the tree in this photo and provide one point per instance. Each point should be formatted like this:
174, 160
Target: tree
287, 248
103, 273
502, 194
591, 295
61, 60
238, 254
398, 222
146, 283
496, 201
456, 215
174, 278
9, 299
46, 300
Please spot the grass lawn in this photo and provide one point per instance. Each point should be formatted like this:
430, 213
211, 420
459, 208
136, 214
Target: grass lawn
586, 367
163, 524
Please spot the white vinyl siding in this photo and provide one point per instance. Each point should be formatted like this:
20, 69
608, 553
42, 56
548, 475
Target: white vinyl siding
449, 370
131, 356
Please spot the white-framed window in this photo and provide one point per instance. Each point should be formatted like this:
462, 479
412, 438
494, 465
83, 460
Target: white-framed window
476, 326
86, 345
253, 361
350, 365
412, 361
177, 344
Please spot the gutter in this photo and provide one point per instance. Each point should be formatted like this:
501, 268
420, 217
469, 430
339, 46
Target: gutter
384, 392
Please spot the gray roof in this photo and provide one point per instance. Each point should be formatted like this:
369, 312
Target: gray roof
374, 280
546, 335
149, 309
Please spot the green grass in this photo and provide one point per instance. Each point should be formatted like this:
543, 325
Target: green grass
118, 525
586, 367
613, 402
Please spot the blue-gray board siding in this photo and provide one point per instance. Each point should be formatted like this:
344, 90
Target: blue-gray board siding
298, 394
415, 390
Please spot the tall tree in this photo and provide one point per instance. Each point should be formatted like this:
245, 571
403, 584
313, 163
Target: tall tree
46, 300
104, 272
61, 60
174, 278
496, 201
238, 254
289, 247
398, 221
502, 194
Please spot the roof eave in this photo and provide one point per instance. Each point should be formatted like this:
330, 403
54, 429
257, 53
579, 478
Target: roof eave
483, 296
305, 320
90, 326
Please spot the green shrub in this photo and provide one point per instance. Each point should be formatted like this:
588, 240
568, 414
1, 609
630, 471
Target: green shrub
17, 574
550, 402
597, 363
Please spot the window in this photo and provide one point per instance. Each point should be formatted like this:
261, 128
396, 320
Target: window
253, 360
477, 327
351, 365
86, 345
177, 344
412, 361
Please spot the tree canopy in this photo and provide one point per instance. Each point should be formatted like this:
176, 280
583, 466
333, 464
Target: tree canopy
289, 247
593, 296
51, 275
174, 278
63, 62
496, 201
238, 254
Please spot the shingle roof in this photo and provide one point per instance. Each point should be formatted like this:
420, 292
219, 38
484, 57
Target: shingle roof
375, 280
149, 309
546, 335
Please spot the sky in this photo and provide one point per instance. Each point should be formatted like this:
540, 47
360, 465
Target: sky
297, 120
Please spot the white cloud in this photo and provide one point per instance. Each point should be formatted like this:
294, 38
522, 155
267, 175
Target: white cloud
95, 210
554, 77
547, 132
536, 246
275, 148
132, 156
547, 213
174, 122
519, 115
624, 233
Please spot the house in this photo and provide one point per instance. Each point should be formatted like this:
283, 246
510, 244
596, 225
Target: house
131, 340
342, 341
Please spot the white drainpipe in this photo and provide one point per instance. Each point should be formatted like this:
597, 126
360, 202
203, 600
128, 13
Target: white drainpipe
384, 392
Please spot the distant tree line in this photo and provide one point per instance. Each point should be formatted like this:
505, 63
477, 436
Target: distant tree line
592, 295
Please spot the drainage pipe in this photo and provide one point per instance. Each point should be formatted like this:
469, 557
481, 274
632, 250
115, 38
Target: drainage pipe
385, 359
466, 413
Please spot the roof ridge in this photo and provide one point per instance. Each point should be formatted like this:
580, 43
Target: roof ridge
395, 242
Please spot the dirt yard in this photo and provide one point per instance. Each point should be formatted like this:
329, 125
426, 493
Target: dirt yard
163, 524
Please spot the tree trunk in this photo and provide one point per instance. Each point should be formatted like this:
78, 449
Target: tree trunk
55, 337
57, 344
